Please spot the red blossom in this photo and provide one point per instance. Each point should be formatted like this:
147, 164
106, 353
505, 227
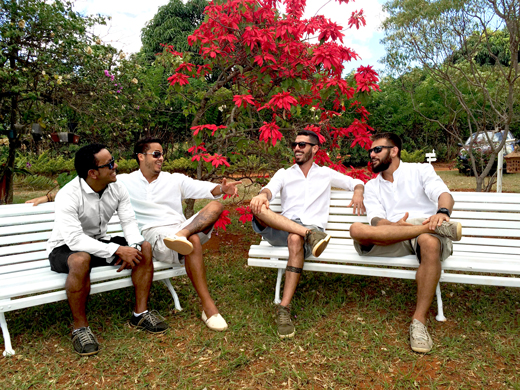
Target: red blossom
366, 79
243, 100
180, 78
317, 130
216, 160
196, 148
269, 131
283, 100
356, 19
222, 221
245, 214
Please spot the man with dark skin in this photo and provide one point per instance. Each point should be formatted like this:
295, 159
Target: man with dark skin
79, 242
399, 191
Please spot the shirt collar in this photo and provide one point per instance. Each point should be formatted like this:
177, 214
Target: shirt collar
141, 176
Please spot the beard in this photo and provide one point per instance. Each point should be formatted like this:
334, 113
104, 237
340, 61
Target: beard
383, 164
304, 158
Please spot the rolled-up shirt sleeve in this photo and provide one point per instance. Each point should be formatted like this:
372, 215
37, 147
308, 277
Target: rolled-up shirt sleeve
432, 183
275, 185
196, 189
345, 182
372, 203
127, 219
67, 217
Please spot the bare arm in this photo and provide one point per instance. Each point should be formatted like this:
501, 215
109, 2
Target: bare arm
262, 198
445, 201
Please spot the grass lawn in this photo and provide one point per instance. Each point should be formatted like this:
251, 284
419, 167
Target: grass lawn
351, 332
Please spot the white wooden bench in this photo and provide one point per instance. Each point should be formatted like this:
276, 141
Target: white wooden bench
25, 276
488, 254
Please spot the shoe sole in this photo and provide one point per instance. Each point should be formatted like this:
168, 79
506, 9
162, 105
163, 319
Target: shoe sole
183, 247
146, 330
320, 246
87, 353
459, 232
420, 350
286, 336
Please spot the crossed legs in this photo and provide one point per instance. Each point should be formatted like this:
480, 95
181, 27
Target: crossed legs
194, 263
77, 285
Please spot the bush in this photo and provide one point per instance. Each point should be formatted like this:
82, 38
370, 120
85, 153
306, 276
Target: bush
417, 156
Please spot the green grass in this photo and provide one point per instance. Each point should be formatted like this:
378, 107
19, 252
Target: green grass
351, 332
455, 181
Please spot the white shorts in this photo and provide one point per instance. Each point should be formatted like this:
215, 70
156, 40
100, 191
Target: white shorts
156, 235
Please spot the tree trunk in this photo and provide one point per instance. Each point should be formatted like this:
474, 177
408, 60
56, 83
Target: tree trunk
189, 210
7, 178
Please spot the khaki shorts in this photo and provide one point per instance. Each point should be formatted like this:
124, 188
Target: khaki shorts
156, 235
404, 248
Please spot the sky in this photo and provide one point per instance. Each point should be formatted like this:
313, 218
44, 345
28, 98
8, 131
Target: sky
128, 17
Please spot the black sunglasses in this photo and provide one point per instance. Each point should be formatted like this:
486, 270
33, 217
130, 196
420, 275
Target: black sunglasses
155, 154
379, 149
110, 165
301, 145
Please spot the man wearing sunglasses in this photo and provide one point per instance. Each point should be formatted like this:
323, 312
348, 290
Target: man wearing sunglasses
79, 242
408, 208
157, 197
305, 193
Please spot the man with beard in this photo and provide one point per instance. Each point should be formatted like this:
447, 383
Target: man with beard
305, 194
403, 190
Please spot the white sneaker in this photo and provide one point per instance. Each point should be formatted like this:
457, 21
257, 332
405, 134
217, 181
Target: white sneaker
420, 339
215, 322
179, 244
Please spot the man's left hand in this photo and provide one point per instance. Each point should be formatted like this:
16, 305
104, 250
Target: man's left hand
357, 204
436, 220
230, 188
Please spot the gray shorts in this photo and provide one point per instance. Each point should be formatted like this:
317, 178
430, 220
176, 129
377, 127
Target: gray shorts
404, 248
156, 235
279, 237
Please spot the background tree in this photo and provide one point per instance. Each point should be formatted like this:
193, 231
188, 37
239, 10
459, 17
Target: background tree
270, 79
448, 39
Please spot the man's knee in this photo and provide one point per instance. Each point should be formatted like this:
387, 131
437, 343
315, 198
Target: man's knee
79, 262
430, 247
295, 241
215, 206
195, 240
263, 211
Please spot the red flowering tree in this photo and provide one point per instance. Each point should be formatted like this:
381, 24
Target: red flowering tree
267, 74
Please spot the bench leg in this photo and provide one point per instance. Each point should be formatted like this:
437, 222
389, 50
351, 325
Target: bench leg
9, 351
174, 294
440, 310
277, 299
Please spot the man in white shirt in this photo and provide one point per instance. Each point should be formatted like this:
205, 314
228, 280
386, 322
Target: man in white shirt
305, 194
156, 198
79, 242
408, 209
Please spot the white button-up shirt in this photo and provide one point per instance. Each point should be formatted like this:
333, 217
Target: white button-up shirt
82, 217
159, 203
308, 198
416, 189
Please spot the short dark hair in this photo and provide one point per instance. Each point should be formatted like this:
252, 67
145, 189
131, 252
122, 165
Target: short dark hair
311, 134
143, 145
85, 159
392, 138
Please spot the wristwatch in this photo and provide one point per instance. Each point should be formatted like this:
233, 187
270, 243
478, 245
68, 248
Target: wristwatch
444, 210
137, 246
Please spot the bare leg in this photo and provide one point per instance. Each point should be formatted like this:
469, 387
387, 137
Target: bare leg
269, 218
428, 274
77, 287
142, 276
385, 234
197, 273
204, 220
295, 244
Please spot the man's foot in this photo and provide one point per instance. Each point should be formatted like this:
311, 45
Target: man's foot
150, 322
452, 230
179, 244
317, 240
215, 322
283, 320
84, 342
420, 339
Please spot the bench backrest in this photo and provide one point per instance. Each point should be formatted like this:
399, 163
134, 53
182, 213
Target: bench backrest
24, 231
483, 216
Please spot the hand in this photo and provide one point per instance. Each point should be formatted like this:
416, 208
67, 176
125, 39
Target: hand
257, 202
128, 257
230, 188
357, 204
37, 201
436, 220
402, 221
